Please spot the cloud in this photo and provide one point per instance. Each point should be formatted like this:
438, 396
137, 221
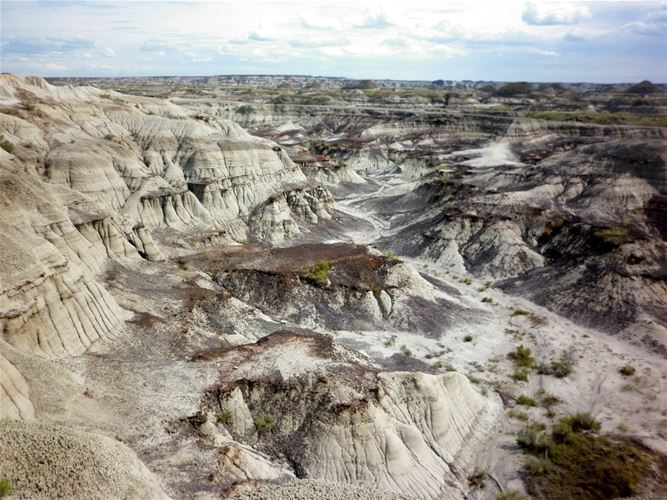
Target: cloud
157, 45
642, 28
553, 14
318, 23
328, 42
25, 45
378, 21
256, 37
55, 67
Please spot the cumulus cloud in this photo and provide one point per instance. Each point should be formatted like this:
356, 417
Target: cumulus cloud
549, 14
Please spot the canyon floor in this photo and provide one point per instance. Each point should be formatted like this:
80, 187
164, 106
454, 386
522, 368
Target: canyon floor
308, 291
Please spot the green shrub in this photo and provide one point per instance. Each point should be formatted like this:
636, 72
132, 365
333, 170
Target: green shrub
6, 145
522, 357
477, 480
581, 422
549, 400
5, 487
615, 235
487, 300
265, 421
538, 466
29, 106
317, 274
561, 368
509, 495
108, 137
405, 351
517, 311
467, 338
518, 414
627, 370
224, 417
574, 464
520, 376
534, 439
525, 401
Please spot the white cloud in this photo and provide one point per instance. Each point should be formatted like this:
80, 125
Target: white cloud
549, 14
378, 21
54, 67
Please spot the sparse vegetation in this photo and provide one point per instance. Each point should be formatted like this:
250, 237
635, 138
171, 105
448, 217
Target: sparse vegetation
549, 400
405, 351
627, 370
390, 342
616, 235
5, 487
618, 118
6, 145
518, 414
265, 422
487, 300
517, 311
108, 137
477, 480
524, 400
573, 461
509, 495
514, 89
317, 274
522, 357
224, 417
520, 376
559, 368
467, 338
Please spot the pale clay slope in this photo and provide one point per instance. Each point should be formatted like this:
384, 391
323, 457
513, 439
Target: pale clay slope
53, 306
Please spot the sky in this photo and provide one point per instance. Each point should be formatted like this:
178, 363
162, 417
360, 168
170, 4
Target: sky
502, 40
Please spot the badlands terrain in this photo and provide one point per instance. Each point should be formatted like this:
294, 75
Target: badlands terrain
296, 287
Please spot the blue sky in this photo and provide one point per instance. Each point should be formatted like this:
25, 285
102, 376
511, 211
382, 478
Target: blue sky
598, 41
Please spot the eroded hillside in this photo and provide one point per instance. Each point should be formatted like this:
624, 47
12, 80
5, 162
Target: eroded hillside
369, 298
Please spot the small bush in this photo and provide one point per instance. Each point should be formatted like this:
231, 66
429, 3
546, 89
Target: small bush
265, 422
616, 235
5, 487
581, 422
6, 145
487, 300
405, 351
519, 312
108, 137
561, 368
522, 357
390, 255
525, 401
509, 495
467, 338
477, 480
29, 106
224, 417
318, 273
549, 400
534, 439
538, 466
518, 414
627, 370
520, 376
